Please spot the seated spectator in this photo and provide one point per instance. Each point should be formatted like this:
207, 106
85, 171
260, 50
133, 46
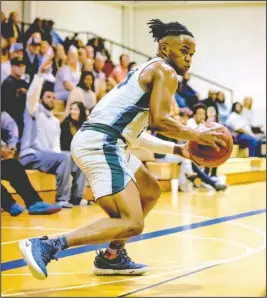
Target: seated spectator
59, 60
16, 50
223, 110
13, 31
100, 77
36, 26
109, 66
13, 93
187, 92
120, 71
71, 124
86, 64
32, 56
211, 100
84, 92
131, 66
199, 116
68, 76
90, 52
40, 146
243, 135
247, 113
13, 172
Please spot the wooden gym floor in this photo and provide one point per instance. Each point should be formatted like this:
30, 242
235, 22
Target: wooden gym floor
200, 244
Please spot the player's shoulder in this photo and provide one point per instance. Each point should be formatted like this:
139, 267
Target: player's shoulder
162, 70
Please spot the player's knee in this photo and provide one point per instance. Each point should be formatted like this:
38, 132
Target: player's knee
135, 227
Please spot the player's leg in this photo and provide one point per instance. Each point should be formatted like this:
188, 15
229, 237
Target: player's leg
150, 191
111, 182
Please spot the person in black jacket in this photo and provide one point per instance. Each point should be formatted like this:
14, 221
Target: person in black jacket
71, 124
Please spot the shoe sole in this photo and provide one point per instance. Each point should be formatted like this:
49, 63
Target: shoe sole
48, 212
99, 271
26, 251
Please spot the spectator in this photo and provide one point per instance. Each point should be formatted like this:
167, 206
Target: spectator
243, 134
98, 44
33, 58
199, 116
120, 71
13, 93
109, 66
85, 63
13, 172
40, 148
223, 110
131, 66
247, 113
68, 76
71, 124
100, 77
36, 26
59, 60
211, 100
16, 50
84, 92
187, 92
90, 52
13, 31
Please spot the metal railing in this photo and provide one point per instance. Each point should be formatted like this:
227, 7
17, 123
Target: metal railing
116, 48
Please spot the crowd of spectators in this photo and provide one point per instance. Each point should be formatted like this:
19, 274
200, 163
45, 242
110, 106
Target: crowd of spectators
38, 66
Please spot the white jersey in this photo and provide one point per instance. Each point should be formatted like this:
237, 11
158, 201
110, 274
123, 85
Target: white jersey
126, 107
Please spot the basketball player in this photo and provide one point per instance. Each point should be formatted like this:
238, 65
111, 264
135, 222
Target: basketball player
121, 185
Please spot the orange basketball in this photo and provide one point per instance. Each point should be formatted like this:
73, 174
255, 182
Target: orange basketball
207, 156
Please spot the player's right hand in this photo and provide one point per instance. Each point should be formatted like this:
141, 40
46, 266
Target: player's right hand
212, 138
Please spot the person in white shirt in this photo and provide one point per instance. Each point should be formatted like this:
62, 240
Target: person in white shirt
245, 138
40, 145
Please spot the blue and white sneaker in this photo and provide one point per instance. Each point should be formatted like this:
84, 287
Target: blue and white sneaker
121, 265
16, 209
37, 253
42, 208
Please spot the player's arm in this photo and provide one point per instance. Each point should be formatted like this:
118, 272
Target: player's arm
164, 85
156, 145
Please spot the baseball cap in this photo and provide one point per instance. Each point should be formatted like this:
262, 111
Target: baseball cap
16, 47
34, 41
17, 61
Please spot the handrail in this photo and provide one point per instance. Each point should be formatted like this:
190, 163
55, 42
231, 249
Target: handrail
137, 52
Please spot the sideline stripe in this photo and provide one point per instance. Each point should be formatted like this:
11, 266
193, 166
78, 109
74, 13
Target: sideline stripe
87, 248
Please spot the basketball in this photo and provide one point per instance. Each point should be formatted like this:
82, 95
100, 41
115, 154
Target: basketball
207, 156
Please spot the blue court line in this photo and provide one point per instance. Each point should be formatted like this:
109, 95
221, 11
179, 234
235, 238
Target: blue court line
167, 280
87, 248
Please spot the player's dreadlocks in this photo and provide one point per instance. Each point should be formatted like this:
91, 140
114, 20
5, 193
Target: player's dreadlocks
160, 29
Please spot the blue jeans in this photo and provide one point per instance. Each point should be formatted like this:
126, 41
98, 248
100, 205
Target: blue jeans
253, 144
61, 165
